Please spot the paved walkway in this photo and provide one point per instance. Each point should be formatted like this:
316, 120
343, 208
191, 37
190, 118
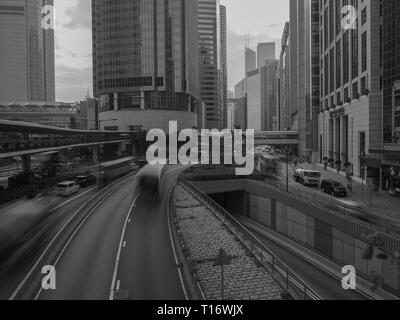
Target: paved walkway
204, 235
380, 201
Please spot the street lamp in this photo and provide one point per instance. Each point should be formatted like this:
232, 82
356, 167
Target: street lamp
99, 145
98, 122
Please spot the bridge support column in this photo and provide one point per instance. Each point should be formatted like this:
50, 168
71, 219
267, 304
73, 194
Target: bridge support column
119, 149
133, 149
26, 163
95, 153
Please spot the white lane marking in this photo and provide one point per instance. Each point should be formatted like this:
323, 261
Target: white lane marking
120, 248
118, 285
111, 186
50, 244
72, 199
173, 248
76, 231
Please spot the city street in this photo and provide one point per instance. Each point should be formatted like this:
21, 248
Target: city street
145, 265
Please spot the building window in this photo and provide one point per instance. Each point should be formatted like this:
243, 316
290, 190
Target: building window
346, 95
355, 91
364, 52
364, 16
346, 62
364, 86
354, 52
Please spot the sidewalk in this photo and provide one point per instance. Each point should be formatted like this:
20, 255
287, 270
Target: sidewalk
381, 201
204, 235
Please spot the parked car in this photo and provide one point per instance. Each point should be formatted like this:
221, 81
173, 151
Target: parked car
307, 177
86, 180
333, 188
67, 188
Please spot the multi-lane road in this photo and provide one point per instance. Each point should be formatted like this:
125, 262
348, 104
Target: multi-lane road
121, 250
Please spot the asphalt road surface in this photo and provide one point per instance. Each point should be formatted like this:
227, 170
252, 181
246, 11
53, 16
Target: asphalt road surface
122, 251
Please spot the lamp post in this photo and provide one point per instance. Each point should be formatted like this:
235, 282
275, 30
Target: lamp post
287, 169
99, 145
98, 122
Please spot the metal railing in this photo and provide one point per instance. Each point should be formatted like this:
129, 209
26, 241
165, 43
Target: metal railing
191, 265
268, 259
373, 233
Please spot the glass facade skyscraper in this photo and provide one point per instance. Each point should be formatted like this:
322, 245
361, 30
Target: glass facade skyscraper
210, 62
26, 53
145, 58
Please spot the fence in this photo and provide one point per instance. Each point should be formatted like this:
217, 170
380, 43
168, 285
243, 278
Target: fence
374, 234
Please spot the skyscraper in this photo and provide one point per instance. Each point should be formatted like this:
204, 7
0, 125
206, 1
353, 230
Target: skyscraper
269, 94
211, 77
250, 60
265, 51
224, 66
145, 62
283, 109
390, 150
26, 53
304, 66
261, 97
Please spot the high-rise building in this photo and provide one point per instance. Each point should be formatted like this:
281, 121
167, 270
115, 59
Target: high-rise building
250, 60
211, 77
350, 123
303, 68
265, 51
145, 62
224, 66
26, 53
390, 150
261, 97
241, 88
282, 97
269, 94
241, 113
231, 112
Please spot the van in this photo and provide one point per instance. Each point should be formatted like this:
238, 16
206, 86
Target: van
67, 188
307, 177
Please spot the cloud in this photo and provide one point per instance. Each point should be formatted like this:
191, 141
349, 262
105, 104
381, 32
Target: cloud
72, 83
80, 15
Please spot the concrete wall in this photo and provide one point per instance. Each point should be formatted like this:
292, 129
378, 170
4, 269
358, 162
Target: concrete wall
330, 235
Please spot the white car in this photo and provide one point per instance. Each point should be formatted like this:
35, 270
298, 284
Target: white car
307, 177
67, 188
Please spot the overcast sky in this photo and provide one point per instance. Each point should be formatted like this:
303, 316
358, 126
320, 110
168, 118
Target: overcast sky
263, 19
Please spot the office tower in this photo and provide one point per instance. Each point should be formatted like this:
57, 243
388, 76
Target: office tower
145, 62
265, 51
250, 60
350, 123
390, 150
269, 94
261, 97
304, 82
240, 88
26, 53
241, 113
210, 62
231, 112
283, 108
224, 66
254, 112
